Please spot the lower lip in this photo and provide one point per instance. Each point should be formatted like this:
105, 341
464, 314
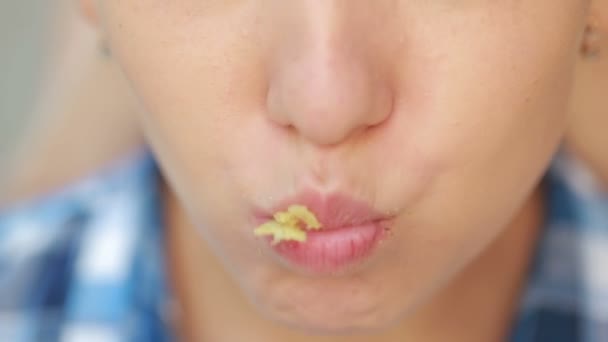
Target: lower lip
331, 251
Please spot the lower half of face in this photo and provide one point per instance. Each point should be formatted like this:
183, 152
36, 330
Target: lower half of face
441, 117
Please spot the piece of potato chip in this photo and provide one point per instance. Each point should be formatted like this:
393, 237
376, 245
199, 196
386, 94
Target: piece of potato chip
286, 218
302, 213
285, 226
280, 232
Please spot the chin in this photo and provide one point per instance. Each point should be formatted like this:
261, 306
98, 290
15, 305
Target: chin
327, 317
338, 326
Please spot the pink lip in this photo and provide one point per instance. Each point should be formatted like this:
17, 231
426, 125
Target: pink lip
350, 231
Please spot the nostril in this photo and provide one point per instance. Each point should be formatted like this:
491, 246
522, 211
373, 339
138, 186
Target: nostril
327, 103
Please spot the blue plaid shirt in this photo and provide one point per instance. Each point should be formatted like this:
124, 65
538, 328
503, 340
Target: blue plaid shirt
86, 263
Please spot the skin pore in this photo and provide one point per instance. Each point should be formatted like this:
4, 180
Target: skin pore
309, 93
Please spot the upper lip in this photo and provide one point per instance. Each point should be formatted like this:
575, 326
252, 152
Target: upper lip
334, 210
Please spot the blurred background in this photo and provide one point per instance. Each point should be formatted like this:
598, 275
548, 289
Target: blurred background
60, 98
25, 26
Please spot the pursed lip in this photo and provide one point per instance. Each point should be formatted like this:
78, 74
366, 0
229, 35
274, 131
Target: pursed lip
334, 210
350, 231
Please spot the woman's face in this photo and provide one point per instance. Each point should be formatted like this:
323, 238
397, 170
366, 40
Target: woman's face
442, 114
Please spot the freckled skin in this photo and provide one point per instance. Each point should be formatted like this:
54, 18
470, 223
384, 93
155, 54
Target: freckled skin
445, 113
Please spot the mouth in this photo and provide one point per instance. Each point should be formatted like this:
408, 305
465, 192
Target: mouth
350, 231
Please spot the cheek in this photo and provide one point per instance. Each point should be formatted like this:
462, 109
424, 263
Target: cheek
201, 87
194, 74
477, 120
480, 100
486, 82
475, 128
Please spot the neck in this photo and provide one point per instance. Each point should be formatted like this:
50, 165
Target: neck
211, 304
586, 135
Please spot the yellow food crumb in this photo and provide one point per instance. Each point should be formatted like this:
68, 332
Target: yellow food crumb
285, 227
305, 215
286, 218
280, 232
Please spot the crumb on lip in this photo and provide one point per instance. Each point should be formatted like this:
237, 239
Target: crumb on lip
286, 225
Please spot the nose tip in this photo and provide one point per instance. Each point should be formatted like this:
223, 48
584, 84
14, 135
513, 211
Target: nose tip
327, 102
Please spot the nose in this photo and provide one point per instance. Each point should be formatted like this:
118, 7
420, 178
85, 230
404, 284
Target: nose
326, 81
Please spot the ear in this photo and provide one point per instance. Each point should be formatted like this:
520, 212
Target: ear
596, 29
598, 15
89, 10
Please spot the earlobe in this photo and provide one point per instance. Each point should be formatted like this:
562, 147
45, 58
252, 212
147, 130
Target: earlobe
88, 8
598, 14
596, 30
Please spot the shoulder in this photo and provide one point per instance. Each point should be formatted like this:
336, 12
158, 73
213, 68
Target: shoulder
59, 196
31, 226
566, 295
53, 245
